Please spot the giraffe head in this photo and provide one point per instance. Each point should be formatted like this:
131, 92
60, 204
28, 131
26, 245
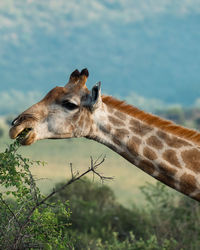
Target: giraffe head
65, 112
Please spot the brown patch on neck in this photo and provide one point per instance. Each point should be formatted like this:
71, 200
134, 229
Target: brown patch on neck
121, 133
172, 141
116, 121
105, 128
192, 159
139, 127
187, 183
133, 145
165, 169
120, 115
170, 156
147, 166
153, 141
149, 153
153, 120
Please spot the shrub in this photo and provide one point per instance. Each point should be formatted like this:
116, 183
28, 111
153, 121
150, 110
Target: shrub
173, 215
27, 221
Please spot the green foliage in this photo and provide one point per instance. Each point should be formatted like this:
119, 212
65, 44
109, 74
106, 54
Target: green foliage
167, 222
132, 244
96, 212
173, 216
26, 221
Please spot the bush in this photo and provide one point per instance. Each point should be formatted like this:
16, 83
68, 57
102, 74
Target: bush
173, 215
26, 220
168, 221
96, 212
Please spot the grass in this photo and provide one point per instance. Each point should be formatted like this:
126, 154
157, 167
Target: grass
60, 153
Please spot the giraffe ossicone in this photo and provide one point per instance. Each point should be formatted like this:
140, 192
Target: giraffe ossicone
164, 150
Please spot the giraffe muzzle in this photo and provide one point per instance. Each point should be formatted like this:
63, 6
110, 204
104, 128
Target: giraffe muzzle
22, 128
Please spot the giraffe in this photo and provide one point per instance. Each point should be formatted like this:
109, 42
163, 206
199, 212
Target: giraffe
166, 151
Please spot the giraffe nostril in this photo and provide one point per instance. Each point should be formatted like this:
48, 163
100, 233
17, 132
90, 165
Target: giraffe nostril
14, 121
23, 117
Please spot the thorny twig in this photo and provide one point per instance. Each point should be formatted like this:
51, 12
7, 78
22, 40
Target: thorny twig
94, 165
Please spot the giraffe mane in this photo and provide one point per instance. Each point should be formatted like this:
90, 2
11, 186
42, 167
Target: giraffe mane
153, 120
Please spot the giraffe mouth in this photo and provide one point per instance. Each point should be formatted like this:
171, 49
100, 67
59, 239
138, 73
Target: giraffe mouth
24, 133
25, 136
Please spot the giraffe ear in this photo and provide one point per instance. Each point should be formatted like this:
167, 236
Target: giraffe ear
93, 100
96, 93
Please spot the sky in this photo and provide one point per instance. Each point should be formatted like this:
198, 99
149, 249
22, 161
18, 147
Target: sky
138, 49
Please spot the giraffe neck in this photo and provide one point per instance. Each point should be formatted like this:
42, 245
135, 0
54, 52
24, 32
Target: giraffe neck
161, 154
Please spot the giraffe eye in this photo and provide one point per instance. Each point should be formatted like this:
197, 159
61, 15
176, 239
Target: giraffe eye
69, 105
